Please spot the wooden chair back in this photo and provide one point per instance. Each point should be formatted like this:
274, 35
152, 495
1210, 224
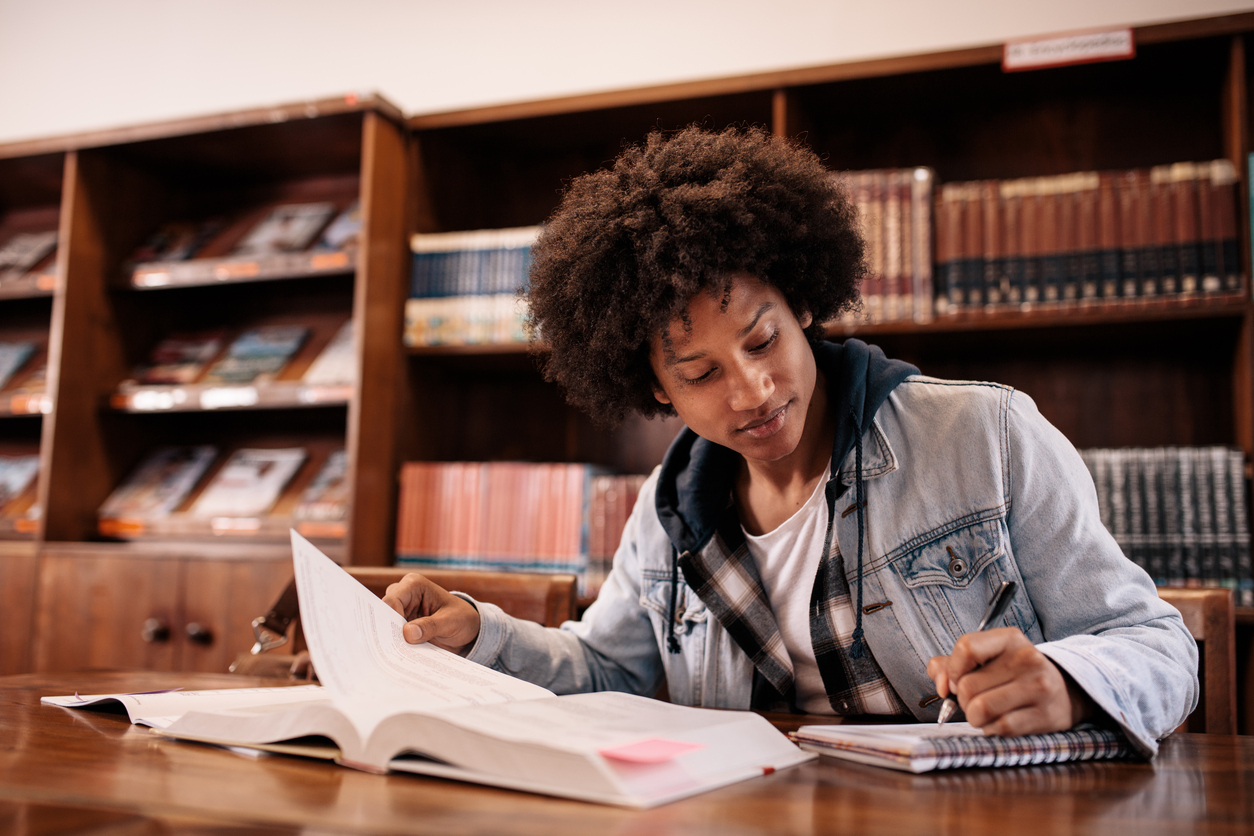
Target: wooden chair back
1209, 616
543, 598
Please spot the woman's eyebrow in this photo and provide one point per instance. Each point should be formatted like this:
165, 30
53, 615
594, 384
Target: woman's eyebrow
766, 306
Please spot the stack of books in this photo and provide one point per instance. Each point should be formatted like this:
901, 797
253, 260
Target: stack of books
895, 215
1088, 238
505, 516
1179, 513
464, 287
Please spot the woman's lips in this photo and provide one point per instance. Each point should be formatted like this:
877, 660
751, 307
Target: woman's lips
768, 426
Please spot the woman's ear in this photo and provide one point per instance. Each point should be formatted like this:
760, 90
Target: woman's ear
804, 320
660, 394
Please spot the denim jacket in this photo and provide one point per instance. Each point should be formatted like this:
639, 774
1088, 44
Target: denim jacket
935, 546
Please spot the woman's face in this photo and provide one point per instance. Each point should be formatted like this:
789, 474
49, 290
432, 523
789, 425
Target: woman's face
741, 375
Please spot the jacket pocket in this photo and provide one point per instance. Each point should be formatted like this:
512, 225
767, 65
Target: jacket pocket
655, 596
953, 577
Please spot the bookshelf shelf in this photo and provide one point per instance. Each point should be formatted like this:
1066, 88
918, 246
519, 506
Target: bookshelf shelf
29, 286
484, 350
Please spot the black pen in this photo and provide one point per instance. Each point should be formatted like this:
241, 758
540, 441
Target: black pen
997, 606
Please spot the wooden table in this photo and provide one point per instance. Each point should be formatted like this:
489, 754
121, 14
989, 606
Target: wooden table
64, 770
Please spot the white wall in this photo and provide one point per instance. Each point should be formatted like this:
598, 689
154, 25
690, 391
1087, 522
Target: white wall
74, 65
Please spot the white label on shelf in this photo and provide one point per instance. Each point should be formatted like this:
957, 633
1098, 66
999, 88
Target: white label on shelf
151, 278
225, 397
1075, 48
154, 400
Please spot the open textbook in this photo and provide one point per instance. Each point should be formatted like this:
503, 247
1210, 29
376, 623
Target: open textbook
386, 704
923, 747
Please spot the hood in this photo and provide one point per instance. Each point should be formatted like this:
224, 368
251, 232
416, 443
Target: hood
694, 488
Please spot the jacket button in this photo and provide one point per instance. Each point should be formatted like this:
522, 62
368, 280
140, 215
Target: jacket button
957, 567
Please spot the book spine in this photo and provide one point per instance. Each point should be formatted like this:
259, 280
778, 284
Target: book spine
1241, 530
972, 248
1099, 235
893, 300
1151, 468
1224, 526
1209, 255
1150, 273
1185, 212
947, 232
1010, 199
993, 262
1164, 231
1188, 518
921, 256
1069, 243
1030, 237
1223, 179
1050, 242
1172, 517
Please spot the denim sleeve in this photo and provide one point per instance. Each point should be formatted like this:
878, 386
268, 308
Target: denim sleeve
1100, 614
612, 648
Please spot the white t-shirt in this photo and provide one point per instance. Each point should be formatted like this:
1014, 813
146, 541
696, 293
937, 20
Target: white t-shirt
788, 559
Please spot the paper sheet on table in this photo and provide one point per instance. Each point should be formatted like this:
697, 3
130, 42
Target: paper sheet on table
358, 650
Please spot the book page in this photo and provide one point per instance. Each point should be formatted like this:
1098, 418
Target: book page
161, 708
358, 650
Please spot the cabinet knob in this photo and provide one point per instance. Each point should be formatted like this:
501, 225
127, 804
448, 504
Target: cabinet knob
155, 630
199, 633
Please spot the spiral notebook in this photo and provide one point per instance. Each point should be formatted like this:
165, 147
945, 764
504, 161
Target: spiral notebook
923, 747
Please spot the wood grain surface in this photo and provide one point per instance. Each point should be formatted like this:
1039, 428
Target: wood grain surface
96, 769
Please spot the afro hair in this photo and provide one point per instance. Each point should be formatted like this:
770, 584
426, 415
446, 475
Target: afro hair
683, 213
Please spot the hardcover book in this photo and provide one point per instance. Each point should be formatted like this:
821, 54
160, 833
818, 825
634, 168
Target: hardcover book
12, 357
249, 483
326, 498
258, 354
337, 364
344, 230
177, 240
923, 747
288, 228
388, 705
23, 251
179, 358
17, 474
160, 483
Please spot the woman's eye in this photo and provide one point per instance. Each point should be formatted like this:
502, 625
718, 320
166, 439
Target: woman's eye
700, 379
764, 346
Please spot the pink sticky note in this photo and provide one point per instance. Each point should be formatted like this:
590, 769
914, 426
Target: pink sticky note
650, 750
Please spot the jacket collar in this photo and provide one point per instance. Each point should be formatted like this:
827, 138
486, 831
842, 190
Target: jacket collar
694, 488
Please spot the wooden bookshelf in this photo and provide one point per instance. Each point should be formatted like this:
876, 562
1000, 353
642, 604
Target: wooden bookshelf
1161, 372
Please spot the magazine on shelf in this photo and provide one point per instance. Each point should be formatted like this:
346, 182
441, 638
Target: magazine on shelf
17, 474
385, 704
160, 483
337, 364
13, 355
249, 483
24, 251
180, 358
287, 228
177, 240
258, 354
344, 231
326, 498
923, 747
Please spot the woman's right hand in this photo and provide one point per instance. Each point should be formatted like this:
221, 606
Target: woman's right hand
434, 615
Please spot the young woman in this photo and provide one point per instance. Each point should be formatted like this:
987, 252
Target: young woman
828, 529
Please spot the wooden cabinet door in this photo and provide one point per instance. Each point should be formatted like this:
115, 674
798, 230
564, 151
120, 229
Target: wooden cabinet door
17, 608
220, 600
98, 611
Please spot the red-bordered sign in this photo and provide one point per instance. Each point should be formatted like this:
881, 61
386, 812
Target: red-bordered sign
1085, 47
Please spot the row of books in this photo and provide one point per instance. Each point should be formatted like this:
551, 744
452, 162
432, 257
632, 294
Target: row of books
287, 227
256, 355
1179, 513
247, 484
464, 287
27, 252
613, 497
894, 209
512, 516
1088, 238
